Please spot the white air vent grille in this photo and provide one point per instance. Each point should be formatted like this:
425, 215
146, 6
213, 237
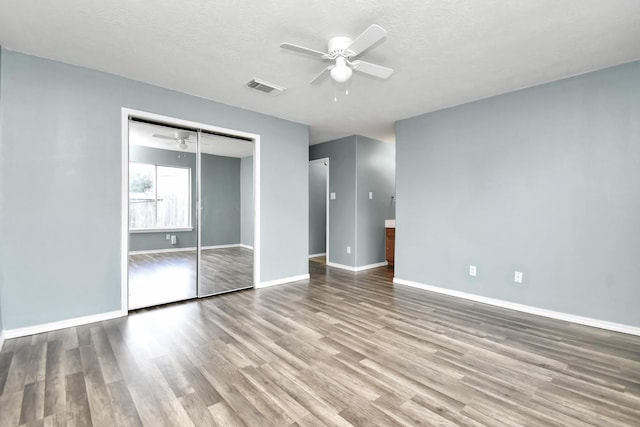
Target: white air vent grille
265, 87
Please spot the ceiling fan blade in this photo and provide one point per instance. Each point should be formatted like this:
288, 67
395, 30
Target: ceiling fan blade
322, 74
372, 69
301, 49
368, 38
157, 135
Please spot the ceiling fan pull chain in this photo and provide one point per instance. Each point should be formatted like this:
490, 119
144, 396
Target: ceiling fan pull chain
335, 96
347, 87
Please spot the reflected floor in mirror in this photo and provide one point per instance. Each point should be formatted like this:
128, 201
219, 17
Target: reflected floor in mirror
160, 278
225, 269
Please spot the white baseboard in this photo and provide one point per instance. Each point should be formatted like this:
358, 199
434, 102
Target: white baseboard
48, 327
161, 251
232, 245
283, 281
587, 321
356, 269
1, 339
315, 255
246, 246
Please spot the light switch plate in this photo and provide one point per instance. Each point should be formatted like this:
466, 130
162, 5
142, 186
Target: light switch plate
332, 196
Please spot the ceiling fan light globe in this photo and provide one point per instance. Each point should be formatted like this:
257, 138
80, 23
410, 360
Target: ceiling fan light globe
341, 73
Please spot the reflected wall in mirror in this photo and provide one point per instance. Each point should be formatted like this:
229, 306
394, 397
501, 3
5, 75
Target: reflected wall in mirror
162, 215
227, 214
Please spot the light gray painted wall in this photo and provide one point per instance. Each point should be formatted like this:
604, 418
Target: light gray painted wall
376, 168
317, 208
61, 201
342, 211
1, 193
220, 200
246, 202
156, 156
545, 180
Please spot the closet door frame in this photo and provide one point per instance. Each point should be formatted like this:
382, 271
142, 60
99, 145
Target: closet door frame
127, 113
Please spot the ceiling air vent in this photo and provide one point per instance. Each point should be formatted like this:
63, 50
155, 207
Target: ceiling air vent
265, 87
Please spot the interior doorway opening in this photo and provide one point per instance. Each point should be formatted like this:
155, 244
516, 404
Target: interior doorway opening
319, 210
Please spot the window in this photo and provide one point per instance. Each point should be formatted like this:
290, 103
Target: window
159, 197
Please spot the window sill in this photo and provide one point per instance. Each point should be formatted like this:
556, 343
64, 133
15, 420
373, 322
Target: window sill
159, 230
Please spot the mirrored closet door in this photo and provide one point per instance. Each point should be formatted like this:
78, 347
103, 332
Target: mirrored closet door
225, 259
163, 232
191, 214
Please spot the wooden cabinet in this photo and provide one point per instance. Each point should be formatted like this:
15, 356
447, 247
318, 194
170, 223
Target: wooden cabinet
391, 245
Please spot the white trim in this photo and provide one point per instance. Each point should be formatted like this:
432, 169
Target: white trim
161, 251
160, 230
587, 321
257, 233
246, 246
283, 281
315, 255
124, 226
47, 327
232, 245
1, 339
356, 269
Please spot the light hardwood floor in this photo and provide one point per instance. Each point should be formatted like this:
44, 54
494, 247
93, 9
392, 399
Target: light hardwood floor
340, 349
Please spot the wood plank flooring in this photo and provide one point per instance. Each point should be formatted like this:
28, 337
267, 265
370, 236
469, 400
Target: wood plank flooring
340, 349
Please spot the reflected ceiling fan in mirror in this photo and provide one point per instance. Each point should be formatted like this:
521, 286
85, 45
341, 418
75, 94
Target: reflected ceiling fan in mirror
343, 51
180, 137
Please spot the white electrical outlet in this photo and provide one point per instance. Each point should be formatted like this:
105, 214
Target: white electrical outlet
517, 277
348, 249
370, 195
168, 236
332, 196
472, 270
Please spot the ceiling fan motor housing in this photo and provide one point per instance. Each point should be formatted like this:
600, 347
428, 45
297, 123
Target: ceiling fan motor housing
337, 46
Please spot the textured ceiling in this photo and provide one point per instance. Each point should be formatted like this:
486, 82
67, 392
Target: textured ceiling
444, 53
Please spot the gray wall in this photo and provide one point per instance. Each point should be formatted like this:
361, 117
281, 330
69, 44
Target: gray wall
1, 192
544, 180
156, 156
376, 169
317, 208
342, 210
220, 200
358, 165
246, 202
61, 191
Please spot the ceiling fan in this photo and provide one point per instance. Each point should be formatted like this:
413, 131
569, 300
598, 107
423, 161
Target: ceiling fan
180, 137
343, 51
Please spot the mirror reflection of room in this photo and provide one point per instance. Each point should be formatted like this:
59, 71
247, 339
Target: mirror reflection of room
176, 251
226, 233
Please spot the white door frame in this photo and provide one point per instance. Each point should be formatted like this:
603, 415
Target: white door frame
126, 113
325, 160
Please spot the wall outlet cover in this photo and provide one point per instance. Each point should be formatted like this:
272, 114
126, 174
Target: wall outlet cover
472, 270
332, 196
517, 277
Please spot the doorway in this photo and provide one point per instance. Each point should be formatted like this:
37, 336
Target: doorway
190, 210
319, 210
